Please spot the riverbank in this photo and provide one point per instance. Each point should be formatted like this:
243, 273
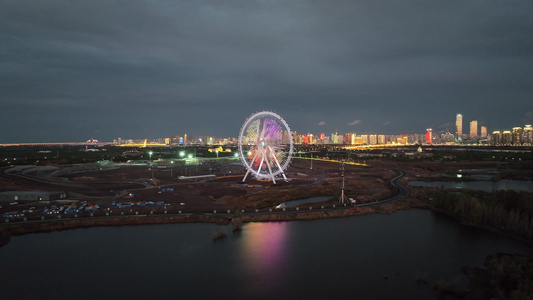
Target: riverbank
8, 230
475, 225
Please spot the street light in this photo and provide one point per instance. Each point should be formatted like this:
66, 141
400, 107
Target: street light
182, 154
150, 153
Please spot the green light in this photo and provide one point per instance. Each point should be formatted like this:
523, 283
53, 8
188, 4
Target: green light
190, 156
182, 154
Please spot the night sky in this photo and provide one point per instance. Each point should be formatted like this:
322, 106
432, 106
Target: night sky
74, 70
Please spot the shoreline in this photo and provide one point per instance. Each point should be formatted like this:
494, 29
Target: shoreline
8, 230
489, 229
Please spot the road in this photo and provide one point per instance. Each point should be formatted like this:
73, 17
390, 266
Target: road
403, 192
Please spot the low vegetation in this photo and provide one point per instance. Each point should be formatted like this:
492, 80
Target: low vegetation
502, 276
509, 212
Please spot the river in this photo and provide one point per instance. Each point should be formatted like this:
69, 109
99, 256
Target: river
364, 257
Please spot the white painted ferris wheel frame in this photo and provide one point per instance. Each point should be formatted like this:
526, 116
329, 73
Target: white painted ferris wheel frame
245, 162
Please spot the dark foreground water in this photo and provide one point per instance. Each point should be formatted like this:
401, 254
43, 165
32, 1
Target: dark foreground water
364, 257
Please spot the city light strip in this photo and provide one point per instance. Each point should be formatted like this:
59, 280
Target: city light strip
58, 144
142, 145
333, 161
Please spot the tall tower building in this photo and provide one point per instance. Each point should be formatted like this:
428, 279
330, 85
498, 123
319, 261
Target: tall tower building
473, 129
483, 131
459, 126
506, 137
527, 135
429, 136
517, 136
496, 137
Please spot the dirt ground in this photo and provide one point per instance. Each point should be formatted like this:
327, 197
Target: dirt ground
225, 190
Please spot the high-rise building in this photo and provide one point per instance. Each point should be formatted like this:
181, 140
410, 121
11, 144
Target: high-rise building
359, 140
334, 138
484, 131
527, 136
286, 137
373, 139
473, 129
459, 126
506, 137
349, 138
381, 139
429, 136
298, 139
516, 138
496, 137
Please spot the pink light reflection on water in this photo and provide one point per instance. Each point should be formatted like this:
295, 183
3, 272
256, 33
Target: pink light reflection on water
265, 251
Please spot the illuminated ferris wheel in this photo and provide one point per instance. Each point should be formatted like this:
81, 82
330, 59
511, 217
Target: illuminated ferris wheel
265, 145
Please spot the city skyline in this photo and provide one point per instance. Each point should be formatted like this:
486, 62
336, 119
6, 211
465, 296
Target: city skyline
443, 135
100, 69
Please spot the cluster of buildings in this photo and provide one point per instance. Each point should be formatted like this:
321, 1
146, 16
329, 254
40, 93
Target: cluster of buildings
474, 133
518, 136
358, 139
177, 141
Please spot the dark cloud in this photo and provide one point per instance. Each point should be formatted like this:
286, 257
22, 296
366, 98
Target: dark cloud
159, 68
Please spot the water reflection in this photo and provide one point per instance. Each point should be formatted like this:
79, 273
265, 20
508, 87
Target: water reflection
264, 251
365, 257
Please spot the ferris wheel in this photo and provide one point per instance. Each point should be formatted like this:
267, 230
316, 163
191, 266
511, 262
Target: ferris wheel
265, 145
